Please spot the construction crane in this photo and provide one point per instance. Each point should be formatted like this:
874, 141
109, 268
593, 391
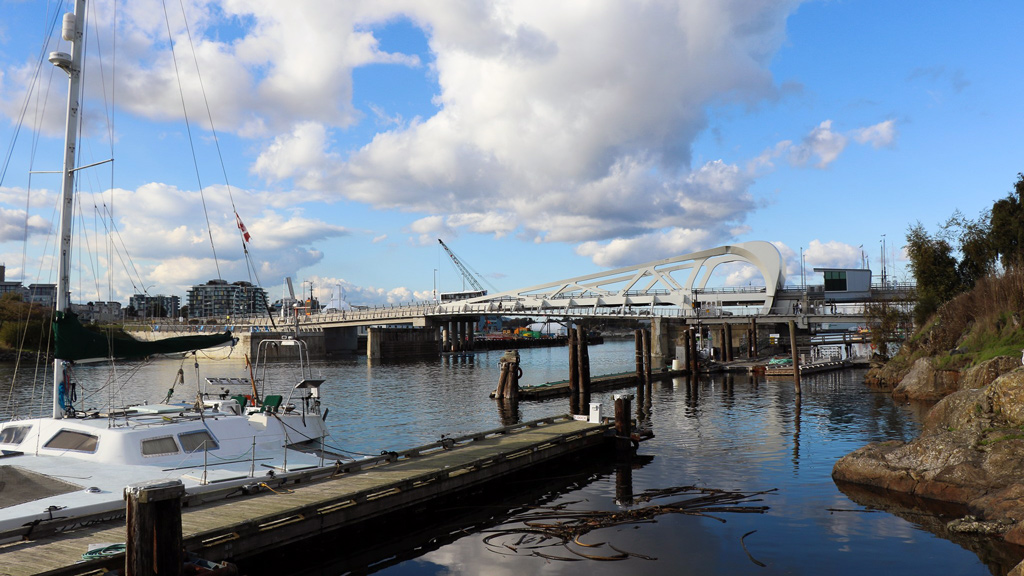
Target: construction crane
466, 274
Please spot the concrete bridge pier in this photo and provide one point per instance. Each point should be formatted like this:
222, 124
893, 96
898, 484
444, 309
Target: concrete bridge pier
665, 339
400, 343
343, 339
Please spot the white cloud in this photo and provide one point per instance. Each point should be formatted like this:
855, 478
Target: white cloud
880, 135
822, 143
15, 226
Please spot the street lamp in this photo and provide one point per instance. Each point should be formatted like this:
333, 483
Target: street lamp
435, 285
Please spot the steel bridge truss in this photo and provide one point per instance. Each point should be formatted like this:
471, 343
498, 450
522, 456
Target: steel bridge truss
679, 281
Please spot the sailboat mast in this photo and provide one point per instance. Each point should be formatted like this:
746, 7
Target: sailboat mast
72, 31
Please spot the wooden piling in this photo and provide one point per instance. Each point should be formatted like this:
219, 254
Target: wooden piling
584, 362
638, 355
574, 373
647, 358
753, 338
796, 357
623, 426
502, 380
727, 342
153, 545
512, 381
693, 350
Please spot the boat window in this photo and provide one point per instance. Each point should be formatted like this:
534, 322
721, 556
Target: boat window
196, 441
71, 440
13, 434
156, 446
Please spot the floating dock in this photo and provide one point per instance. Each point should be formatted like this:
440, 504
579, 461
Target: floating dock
560, 389
285, 513
787, 370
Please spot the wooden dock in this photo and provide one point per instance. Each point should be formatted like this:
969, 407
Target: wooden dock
560, 389
787, 370
243, 526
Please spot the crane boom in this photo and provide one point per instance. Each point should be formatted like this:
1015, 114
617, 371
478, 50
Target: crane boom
466, 274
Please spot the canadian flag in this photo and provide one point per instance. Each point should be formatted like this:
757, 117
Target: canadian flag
245, 233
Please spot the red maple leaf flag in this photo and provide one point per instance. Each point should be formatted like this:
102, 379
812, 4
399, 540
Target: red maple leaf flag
245, 233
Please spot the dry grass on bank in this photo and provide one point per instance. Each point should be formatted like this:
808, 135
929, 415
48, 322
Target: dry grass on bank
975, 326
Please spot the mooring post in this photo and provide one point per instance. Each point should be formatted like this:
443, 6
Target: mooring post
796, 357
753, 338
639, 357
623, 425
512, 381
502, 379
574, 373
647, 359
693, 350
581, 335
727, 342
153, 542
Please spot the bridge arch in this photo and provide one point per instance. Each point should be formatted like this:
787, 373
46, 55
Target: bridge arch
650, 284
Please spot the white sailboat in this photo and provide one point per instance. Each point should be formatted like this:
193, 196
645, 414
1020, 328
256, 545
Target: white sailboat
76, 464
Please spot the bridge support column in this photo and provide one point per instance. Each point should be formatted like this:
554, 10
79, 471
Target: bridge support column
684, 350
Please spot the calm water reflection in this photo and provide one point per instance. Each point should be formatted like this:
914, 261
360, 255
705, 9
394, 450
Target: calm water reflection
727, 432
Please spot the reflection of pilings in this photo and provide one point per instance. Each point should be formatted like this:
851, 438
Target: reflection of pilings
624, 485
508, 410
692, 392
574, 373
796, 434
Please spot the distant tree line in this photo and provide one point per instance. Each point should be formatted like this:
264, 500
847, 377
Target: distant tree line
23, 325
965, 250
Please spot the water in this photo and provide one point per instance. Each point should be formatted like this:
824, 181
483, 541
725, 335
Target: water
724, 432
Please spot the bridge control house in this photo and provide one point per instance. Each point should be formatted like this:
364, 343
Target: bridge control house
844, 284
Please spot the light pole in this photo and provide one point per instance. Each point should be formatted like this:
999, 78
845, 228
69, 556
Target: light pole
435, 285
883, 260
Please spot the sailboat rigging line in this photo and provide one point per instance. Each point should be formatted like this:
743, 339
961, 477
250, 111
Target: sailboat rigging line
28, 95
191, 144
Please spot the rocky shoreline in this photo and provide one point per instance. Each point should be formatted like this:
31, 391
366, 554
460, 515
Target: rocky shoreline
970, 450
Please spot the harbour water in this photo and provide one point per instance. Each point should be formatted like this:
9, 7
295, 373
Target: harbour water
729, 432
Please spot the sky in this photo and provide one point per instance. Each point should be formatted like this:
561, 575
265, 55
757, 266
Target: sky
540, 140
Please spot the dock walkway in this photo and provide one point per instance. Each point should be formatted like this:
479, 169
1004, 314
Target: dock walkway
246, 525
560, 389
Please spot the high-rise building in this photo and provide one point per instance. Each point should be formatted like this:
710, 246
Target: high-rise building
219, 298
159, 306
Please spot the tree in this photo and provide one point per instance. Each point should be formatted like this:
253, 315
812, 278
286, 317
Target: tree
1007, 232
934, 269
974, 238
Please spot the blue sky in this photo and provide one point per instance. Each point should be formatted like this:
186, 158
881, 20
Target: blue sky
540, 141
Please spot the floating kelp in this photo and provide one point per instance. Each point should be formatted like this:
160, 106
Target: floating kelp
545, 527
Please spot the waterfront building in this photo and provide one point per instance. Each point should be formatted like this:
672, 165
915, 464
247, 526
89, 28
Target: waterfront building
160, 306
6, 286
44, 295
219, 298
101, 312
